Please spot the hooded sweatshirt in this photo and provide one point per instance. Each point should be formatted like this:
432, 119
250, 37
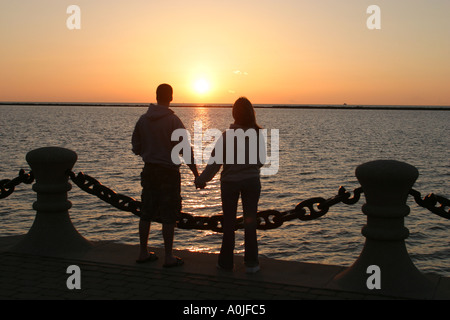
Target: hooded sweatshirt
233, 169
152, 135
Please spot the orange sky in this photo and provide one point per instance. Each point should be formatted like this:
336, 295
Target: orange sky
292, 51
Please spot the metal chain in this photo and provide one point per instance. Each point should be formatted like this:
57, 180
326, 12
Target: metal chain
8, 186
268, 219
272, 219
429, 202
94, 187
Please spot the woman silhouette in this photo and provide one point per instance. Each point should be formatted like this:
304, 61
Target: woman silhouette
238, 149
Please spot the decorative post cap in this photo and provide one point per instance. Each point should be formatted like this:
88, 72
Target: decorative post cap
386, 182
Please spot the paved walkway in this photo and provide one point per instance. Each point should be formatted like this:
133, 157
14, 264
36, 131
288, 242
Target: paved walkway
108, 271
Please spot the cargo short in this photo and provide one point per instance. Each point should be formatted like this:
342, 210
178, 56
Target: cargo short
161, 194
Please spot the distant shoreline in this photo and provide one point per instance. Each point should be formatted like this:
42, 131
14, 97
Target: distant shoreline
346, 107
267, 106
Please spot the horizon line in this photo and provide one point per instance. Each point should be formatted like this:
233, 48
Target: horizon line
225, 105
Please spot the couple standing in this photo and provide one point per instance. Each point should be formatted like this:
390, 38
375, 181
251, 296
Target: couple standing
161, 182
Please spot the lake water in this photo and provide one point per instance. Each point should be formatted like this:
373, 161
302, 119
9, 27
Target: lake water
319, 151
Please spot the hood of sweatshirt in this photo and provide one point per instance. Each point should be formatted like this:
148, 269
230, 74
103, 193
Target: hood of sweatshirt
156, 111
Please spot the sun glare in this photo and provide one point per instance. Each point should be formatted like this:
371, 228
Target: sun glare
201, 86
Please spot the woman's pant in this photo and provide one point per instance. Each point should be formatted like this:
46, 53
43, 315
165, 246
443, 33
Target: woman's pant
250, 190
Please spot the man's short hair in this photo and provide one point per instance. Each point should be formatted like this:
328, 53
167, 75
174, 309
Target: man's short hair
164, 92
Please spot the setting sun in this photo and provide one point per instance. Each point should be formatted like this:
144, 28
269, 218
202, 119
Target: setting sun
202, 86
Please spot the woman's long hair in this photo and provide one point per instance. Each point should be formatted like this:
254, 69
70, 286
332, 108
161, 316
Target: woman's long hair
244, 114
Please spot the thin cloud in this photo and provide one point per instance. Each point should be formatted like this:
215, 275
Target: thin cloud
238, 72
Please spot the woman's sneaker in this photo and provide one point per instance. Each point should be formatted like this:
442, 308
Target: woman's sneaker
252, 269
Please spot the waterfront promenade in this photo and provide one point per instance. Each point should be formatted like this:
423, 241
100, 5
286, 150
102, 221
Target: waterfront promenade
108, 272
40, 264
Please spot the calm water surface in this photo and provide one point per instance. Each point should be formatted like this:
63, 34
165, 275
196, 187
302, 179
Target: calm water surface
319, 151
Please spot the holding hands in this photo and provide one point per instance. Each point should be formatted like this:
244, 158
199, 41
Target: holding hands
199, 184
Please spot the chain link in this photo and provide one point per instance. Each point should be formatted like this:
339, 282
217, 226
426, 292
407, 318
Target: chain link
429, 202
8, 186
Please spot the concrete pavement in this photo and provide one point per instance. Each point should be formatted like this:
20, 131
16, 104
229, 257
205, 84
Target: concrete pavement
108, 271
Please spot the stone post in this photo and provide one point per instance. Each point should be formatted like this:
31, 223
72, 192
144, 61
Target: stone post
386, 184
52, 232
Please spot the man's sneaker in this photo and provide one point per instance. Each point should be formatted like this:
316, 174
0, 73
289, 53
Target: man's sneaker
252, 269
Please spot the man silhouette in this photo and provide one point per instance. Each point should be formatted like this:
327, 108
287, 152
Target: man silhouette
160, 177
